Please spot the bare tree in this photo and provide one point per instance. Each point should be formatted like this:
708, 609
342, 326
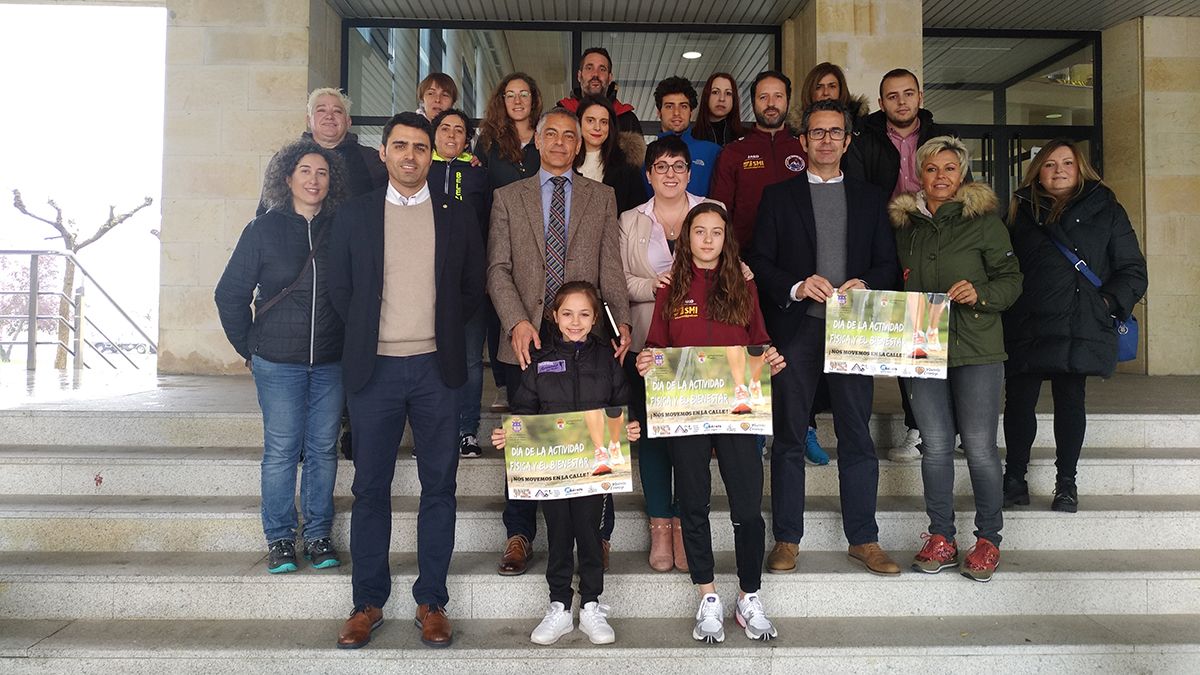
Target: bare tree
69, 234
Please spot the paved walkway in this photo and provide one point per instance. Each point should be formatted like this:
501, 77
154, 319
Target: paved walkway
100, 391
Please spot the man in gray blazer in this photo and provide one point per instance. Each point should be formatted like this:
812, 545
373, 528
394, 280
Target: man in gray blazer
547, 230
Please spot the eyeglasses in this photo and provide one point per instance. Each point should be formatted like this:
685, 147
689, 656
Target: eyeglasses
514, 95
662, 167
836, 133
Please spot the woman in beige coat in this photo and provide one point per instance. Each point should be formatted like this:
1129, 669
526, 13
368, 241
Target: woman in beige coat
648, 235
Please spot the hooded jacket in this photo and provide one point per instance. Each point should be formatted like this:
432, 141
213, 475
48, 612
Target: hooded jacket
872, 156
746, 167
1061, 322
303, 328
964, 239
570, 377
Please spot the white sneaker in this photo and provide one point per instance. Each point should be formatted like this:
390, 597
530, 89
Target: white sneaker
593, 622
907, 450
710, 620
557, 623
751, 616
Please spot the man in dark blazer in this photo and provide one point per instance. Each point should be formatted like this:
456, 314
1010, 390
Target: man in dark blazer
819, 234
522, 278
406, 271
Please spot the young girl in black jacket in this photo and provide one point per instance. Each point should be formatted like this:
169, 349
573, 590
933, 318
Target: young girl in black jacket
574, 372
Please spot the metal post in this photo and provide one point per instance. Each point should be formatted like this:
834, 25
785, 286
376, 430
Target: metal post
31, 340
79, 329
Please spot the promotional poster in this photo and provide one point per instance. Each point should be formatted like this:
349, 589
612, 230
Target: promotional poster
708, 390
890, 333
567, 455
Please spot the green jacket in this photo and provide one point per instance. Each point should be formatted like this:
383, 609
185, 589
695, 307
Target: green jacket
965, 239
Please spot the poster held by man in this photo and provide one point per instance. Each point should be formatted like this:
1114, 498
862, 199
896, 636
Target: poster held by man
889, 333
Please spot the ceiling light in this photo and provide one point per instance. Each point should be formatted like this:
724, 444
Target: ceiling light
1054, 116
692, 55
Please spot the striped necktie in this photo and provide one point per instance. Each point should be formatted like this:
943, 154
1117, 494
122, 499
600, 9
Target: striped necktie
556, 241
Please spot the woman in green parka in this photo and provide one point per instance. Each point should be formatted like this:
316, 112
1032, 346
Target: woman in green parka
952, 243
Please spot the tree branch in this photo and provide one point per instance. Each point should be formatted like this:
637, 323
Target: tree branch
57, 223
113, 221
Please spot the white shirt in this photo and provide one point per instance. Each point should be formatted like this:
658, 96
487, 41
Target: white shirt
394, 196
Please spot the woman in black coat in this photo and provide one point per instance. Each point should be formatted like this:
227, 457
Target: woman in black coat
292, 343
609, 155
1061, 327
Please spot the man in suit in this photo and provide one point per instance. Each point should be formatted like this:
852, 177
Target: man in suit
406, 271
819, 234
547, 230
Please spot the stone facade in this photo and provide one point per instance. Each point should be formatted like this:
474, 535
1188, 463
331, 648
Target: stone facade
238, 76
1152, 160
866, 38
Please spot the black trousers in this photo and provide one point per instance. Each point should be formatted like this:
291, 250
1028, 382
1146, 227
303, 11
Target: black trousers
858, 466
574, 525
1021, 394
741, 468
520, 515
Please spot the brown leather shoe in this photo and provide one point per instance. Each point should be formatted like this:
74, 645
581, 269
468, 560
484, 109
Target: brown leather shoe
436, 630
782, 558
356, 632
605, 550
515, 560
874, 559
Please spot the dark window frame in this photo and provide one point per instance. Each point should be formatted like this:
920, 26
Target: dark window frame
576, 30
1001, 136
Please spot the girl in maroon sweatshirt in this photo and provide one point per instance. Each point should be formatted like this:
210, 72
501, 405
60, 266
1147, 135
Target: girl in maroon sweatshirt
708, 303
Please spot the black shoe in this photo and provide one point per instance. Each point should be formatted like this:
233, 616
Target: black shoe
281, 556
1066, 497
321, 553
468, 446
1016, 491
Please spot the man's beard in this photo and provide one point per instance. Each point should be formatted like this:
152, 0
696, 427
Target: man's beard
761, 119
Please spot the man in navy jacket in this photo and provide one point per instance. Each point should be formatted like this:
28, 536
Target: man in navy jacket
406, 271
819, 234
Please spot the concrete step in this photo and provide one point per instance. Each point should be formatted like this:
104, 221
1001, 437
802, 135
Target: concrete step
1057, 644
107, 523
167, 471
147, 426
235, 586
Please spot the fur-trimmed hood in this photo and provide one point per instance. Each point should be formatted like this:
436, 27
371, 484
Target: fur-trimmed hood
977, 200
634, 147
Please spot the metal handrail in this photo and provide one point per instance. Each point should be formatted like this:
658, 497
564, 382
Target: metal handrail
33, 293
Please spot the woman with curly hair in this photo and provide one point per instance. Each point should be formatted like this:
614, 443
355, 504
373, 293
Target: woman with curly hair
506, 149
505, 143
292, 343
709, 303
720, 118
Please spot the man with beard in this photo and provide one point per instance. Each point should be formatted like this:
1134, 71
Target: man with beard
767, 154
595, 78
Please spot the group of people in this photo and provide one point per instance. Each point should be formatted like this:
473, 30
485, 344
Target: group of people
569, 248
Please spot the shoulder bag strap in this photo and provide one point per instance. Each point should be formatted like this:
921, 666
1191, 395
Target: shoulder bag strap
292, 286
1076, 262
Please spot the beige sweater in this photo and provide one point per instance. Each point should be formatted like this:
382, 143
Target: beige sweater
406, 313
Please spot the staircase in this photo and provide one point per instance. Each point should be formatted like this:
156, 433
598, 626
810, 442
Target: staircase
130, 541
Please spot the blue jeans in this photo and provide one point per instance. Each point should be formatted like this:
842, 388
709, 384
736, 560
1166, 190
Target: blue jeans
468, 407
403, 388
966, 403
302, 413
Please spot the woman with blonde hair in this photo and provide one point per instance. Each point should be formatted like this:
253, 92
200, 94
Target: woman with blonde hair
1061, 327
952, 244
